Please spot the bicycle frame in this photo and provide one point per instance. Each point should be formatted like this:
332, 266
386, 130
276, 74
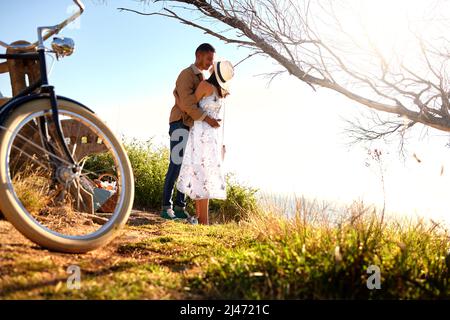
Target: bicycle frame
45, 89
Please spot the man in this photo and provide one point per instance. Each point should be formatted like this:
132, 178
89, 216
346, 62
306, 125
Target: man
182, 117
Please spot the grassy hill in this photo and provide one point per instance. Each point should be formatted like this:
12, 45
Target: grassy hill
253, 251
264, 257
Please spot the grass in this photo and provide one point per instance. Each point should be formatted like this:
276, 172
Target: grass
31, 187
254, 252
264, 257
297, 260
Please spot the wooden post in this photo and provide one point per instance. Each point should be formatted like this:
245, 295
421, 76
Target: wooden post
19, 70
4, 67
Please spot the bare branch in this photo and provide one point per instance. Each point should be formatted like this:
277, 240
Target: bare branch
173, 15
311, 41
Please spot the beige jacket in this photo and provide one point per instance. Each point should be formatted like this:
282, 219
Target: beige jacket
188, 109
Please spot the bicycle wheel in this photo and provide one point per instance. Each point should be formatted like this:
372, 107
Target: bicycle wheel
49, 200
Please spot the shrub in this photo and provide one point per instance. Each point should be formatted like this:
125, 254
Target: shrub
149, 163
240, 201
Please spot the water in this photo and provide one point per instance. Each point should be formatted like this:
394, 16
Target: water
333, 211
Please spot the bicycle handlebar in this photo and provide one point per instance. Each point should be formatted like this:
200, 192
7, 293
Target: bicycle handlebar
51, 30
80, 5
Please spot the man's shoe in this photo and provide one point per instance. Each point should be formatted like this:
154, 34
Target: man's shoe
168, 214
181, 213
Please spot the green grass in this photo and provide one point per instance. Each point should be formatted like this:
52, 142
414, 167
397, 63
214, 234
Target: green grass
256, 253
294, 260
264, 257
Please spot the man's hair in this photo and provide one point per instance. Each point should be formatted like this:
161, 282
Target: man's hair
205, 47
213, 80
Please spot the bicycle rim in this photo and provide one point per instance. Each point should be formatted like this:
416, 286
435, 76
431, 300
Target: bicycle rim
76, 202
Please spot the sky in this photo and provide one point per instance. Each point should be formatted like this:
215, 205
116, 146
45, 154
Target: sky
281, 138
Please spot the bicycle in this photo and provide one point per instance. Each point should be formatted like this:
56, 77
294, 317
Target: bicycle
54, 152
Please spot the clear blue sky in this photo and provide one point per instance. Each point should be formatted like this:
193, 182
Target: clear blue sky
117, 53
125, 68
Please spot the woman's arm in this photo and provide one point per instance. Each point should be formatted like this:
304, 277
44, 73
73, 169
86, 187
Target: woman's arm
204, 89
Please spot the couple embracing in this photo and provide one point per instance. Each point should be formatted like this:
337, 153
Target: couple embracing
196, 137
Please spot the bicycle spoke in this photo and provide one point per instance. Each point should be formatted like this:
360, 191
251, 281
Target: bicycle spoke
68, 198
39, 147
78, 194
76, 141
31, 157
74, 149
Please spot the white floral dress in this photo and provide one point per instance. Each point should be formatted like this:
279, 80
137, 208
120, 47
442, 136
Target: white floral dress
202, 174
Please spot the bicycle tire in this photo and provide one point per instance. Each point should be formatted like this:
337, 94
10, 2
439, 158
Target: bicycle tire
23, 222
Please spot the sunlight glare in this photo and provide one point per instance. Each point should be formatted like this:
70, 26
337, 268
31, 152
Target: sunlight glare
389, 26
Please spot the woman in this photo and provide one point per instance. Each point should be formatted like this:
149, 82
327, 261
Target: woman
202, 175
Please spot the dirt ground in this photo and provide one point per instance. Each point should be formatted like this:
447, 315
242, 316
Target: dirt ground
27, 270
12, 241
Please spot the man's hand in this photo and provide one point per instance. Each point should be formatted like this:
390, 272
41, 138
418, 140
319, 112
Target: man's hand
212, 122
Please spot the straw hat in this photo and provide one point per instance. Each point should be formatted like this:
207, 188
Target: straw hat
224, 73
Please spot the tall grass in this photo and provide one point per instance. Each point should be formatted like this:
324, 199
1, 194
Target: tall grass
311, 257
32, 188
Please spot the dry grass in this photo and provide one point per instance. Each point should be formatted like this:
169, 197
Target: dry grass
33, 190
315, 254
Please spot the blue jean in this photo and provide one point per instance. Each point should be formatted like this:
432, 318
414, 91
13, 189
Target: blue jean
178, 133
